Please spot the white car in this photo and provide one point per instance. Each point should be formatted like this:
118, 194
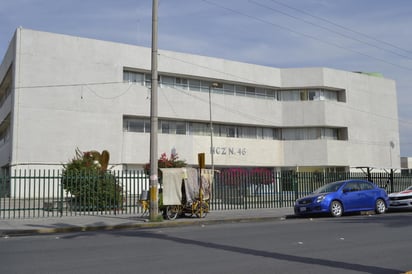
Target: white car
401, 199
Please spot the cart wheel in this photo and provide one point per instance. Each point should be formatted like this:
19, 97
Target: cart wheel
172, 211
204, 211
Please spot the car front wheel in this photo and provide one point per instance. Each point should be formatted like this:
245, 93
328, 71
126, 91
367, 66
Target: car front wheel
336, 209
380, 207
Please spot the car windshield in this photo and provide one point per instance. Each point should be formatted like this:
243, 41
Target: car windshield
332, 187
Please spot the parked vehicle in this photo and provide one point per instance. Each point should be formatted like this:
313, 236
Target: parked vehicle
342, 197
401, 200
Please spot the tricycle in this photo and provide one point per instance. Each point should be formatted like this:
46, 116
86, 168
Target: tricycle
186, 192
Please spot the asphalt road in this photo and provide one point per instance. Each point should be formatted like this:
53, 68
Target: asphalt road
350, 244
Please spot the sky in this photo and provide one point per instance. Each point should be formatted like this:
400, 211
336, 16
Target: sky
352, 35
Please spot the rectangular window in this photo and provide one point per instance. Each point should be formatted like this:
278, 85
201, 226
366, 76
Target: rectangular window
229, 89
290, 95
250, 91
240, 90
133, 77
247, 132
181, 82
167, 81
205, 86
330, 95
194, 85
199, 129
277, 134
309, 133
164, 127
312, 95
148, 80
341, 95
260, 92
271, 94
217, 130
303, 95
329, 133
181, 128
228, 131
343, 134
136, 124
173, 127
267, 133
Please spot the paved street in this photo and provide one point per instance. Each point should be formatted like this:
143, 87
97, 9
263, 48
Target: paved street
350, 244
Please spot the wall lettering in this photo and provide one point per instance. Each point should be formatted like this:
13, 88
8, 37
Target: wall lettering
228, 151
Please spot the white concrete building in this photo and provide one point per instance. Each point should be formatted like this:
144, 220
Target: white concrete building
59, 93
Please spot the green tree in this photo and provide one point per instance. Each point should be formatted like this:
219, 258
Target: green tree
91, 186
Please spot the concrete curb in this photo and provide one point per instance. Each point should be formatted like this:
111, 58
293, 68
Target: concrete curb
89, 228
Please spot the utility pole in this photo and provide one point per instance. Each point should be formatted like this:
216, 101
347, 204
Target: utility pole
154, 179
212, 149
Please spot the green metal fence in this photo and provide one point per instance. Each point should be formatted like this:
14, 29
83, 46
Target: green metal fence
52, 193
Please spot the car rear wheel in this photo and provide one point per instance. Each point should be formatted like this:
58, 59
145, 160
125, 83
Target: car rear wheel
336, 209
380, 206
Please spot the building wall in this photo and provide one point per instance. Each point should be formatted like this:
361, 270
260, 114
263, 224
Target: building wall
69, 93
370, 113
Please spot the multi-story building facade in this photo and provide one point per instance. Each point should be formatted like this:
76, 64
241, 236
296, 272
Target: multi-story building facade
59, 93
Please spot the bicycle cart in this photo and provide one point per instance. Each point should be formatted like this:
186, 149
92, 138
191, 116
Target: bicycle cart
186, 192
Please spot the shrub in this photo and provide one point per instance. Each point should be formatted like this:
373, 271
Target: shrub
91, 186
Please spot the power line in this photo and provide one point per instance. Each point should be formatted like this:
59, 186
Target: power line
87, 85
260, 119
406, 122
211, 69
343, 27
69, 85
109, 98
306, 35
328, 29
248, 115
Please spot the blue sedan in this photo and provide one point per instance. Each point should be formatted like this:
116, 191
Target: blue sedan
342, 197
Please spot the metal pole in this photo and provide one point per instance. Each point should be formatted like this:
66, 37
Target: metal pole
154, 206
212, 149
211, 127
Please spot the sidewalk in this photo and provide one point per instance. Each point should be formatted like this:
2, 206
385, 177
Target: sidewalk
21, 227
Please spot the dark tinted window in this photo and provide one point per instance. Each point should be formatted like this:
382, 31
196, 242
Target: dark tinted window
352, 186
366, 186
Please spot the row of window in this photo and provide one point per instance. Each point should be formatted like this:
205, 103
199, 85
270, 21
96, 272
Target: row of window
311, 94
137, 124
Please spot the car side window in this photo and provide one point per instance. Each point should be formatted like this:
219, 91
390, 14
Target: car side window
352, 186
366, 186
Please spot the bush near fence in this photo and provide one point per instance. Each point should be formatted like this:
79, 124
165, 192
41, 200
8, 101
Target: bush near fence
39, 193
